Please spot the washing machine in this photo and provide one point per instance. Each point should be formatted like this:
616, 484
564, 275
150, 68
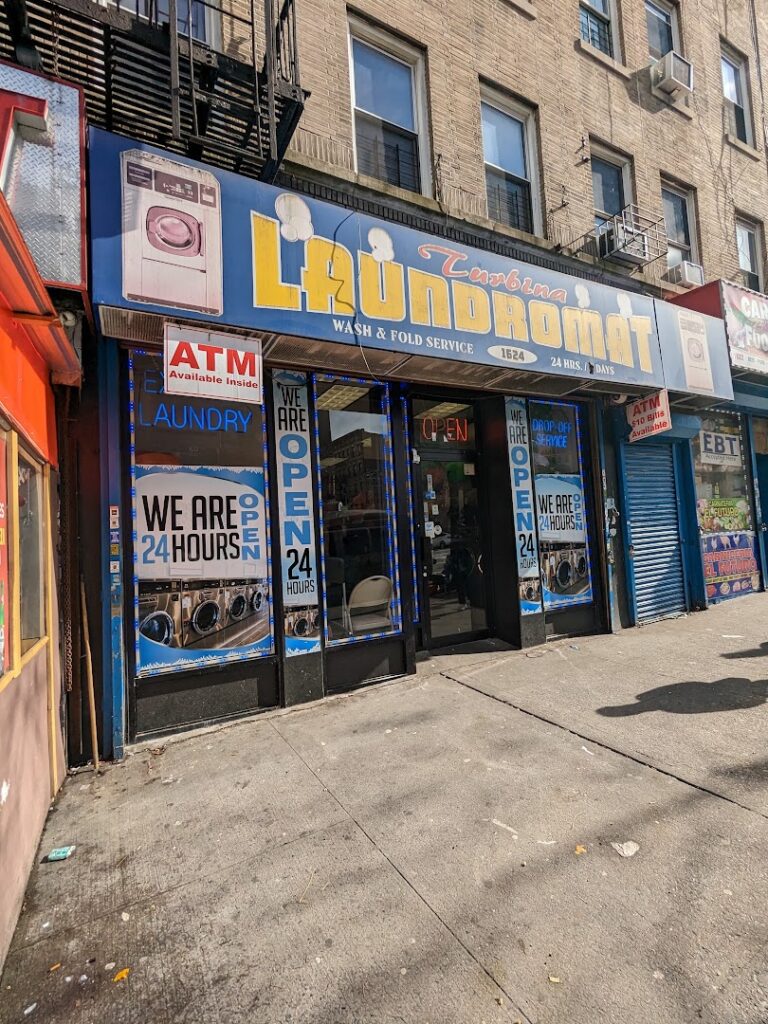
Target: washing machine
204, 612
171, 234
259, 597
298, 623
160, 613
238, 602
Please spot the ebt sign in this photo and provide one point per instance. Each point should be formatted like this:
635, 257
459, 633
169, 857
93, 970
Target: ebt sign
202, 364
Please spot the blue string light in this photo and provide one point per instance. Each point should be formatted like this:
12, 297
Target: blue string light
412, 513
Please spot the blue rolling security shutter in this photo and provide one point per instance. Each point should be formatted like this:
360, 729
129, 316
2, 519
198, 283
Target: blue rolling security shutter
654, 530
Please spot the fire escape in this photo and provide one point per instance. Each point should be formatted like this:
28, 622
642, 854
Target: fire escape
216, 80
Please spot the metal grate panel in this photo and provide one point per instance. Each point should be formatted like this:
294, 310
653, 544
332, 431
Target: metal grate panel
654, 530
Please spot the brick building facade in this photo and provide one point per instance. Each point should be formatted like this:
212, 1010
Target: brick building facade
579, 99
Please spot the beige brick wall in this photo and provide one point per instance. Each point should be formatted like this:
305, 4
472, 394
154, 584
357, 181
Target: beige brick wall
576, 96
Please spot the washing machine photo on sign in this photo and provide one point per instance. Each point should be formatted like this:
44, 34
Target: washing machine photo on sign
171, 234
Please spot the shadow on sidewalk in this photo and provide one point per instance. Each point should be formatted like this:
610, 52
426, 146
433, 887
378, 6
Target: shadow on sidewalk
695, 698
752, 652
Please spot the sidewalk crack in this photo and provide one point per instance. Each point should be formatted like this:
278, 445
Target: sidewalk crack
603, 745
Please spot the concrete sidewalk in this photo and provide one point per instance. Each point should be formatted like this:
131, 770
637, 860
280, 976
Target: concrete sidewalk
432, 850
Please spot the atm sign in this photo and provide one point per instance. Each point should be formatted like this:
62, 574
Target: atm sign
202, 364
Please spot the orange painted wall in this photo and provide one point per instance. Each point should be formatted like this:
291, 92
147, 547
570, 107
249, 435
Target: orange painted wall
25, 391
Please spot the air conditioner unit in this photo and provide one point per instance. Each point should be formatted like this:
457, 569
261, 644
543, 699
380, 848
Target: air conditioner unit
689, 275
625, 244
673, 74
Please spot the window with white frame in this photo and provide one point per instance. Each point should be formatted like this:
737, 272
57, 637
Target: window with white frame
611, 187
735, 95
389, 110
748, 245
661, 22
510, 162
596, 24
31, 563
679, 224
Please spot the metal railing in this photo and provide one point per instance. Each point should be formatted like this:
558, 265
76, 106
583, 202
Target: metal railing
632, 236
595, 30
509, 200
396, 162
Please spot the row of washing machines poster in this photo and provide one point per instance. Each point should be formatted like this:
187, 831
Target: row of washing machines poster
202, 568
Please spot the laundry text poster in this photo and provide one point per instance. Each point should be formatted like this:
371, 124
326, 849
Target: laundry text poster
297, 512
201, 566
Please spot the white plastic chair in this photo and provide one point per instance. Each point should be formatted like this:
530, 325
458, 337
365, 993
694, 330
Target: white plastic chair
369, 607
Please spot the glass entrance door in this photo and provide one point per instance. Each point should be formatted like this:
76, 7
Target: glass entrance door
453, 559
448, 502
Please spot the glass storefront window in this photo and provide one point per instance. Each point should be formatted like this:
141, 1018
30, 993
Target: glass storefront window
723, 508
354, 449
561, 514
202, 566
31, 566
5, 554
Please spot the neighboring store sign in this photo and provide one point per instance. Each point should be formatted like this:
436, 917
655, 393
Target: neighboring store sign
746, 323
649, 416
201, 562
523, 507
720, 449
730, 565
42, 136
694, 351
297, 512
202, 364
297, 266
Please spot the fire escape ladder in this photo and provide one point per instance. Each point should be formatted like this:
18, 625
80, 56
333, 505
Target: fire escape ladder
206, 78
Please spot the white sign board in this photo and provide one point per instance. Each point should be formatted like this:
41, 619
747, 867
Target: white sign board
720, 449
200, 522
649, 416
203, 364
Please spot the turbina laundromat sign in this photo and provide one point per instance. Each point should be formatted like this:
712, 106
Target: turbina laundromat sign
202, 364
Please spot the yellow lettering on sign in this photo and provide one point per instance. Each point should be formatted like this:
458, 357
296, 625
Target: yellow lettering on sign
619, 339
471, 308
269, 289
328, 277
382, 288
429, 299
509, 316
641, 325
545, 324
583, 332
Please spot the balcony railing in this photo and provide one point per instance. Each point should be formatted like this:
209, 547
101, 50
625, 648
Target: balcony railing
217, 80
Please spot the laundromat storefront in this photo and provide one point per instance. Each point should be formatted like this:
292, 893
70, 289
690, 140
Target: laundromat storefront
311, 536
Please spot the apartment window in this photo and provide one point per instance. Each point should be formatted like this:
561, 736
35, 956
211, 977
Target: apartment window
610, 187
748, 244
31, 578
508, 164
679, 224
595, 24
733, 70
204, 26
387, 93
661, 21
